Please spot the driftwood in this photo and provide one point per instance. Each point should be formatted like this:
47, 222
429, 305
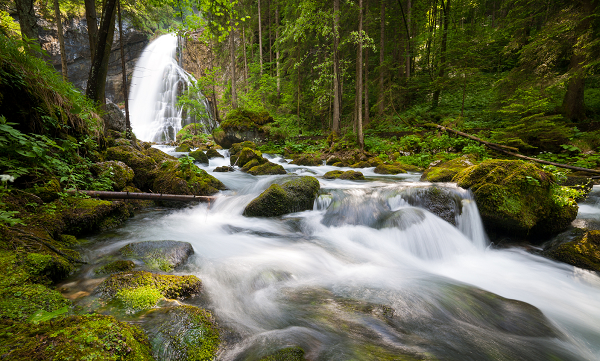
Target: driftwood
145, 196
507, 150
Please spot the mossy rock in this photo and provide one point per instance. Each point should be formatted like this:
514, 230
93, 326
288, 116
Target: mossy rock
237, 147
388, 169
199, 156
224, 168
183, 333
331, 160
116, 267
240, 125
46, 266
583, 252
21, 302
143, 166
48, 192
361, 164
213, 153
352, 175
246, 155
333, 174
174, 177
295, 195
169, 286
183, 148
311, 160
86, 215
267, 168
158, 155
86, 337
118, 172
286, 354
443, 202
518, 198
445, 171
159, 255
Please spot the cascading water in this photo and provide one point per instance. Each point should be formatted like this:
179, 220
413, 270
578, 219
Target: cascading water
372, 274
157, 82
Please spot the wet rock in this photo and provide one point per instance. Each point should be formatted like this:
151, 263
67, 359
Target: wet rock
159, 255
348, 175
241, 125
86, 215
246, 155
169, 286
268, 168
442, 202
224, 168
361, 164
286, 354
143, 166
402, 218
118, 172
310, 160
389, 169
158, 155
114, 119
518, 198
182, 333
199, 156
583, 252
183, 148
213, 153
295, 195
116, 267
332, 160
175, 177
445, 171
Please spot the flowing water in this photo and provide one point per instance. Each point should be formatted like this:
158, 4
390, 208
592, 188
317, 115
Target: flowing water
158, 80
370, 273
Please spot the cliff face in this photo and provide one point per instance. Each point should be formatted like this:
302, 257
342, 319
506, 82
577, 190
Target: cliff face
78, 53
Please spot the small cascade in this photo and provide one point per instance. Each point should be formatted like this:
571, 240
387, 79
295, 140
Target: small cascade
158, 80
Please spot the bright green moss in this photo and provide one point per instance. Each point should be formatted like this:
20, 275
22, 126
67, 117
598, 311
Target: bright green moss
294, 195
445, 171
268, 168
307, 160
333, 174
388, 169
21, 302
352, 175
140, 298
175, 178
199, 156
170, 286
584, 252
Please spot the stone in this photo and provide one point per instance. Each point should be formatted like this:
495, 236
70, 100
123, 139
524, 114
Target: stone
295, 195
389, 169
199, 156
268, 168
310, 160
176, 177
118, 172
445, 171
213, 153
159, 255
241, 125
583, 252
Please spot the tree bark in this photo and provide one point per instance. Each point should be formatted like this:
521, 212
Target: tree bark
232, 55
380, 95
277, 50
337, 94
124, 72
97, 76
245, 58
442, 72
28, 22
408, 33
61, 41
145, 196
361, 141
92, 23
260, 49
366, 76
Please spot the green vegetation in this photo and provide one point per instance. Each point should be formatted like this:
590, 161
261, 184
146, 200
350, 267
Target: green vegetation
295, 195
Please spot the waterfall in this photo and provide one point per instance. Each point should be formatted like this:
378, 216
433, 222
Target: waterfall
157, 82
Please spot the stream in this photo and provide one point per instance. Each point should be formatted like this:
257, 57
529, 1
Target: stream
369, 274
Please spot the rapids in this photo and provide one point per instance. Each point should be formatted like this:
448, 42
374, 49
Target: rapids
368, 274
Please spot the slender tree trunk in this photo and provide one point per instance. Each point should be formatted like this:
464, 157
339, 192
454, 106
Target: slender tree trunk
442, 72
337, 95
408, 37
361, 141
380, 95
232, 55
270, 38
61, 41
124, 71
277, 50
92, 24
28, 22
97, 76
260, 48
366, 80
245, 59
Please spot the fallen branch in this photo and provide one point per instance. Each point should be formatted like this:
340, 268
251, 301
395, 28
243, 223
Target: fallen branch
503, 149
144, 196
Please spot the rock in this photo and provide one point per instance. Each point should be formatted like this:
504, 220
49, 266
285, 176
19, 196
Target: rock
286, 354
245, 155
182, 333
583, 252
237, 147
518, 198
332, 160
348, 175
268, 168
48, 192
582, 184
295, 195
158, 155
224, 168
213, 153
361, 164
388, 169
354, 211
159, 255
333, 174
116, 267
199, 156
445, 171
183, 148
86, 215
311, 160
143, 166
403, 218
175, 177
114, 119
442, 202
241, 125
169, 286
118, 172
23, 301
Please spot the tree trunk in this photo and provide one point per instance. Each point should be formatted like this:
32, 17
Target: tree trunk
442, 72
408, 32
124, 72
270, 37
92, 24
380, 95
361, 142
28, 22
61, 41
366, 80
277, 50
245, 58
232, 55
336, 68
260, 48
97, 76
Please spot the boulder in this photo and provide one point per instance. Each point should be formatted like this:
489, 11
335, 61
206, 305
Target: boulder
199, 156
213, 153
183, 148
388, 169
169, 286
224, 168
333, 174
159, 255
583, 252
348, 175
143, 166
295, 195
444, 171
267, 168
114, 119
442, 202
158, 155
307, 160
245, 155
241, 125
354, 211
115, 267
118, 172
183, 177
518, 198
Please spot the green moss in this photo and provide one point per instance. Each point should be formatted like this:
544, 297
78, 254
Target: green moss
143, 166
158, 155
352, 175
88, 337
246, 155
22, 301
295, 195
237, 147
388, 169
286, 354
50, 191
584, 252
361, 164
118, 172
268, 168
213, 153
183, 148
85, 215
199, 156
445, 171
170, 286
140, 298
44, 266
116, 267
307, 160
242, 119
175, 178
333, 174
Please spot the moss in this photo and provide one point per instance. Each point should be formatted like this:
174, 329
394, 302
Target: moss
286, 354
85, 215
246, 155
250, 164
445, 171
199, 156
183, 148
87, 337
158, 155
176, 178
333, 174
295, 195
143, 166
140, 298
352, 175
583, 252
49, 192
20, 302
44, 266
118, 172
268, 168
388, 169
361, 164
332, 160
307, 160
515, 197
237, 147
224, 168
116, 267
170, 286
213, 153
242, 119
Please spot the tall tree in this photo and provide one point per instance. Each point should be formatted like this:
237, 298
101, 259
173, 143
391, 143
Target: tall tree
359, 77
443, 52
380, 94
92, 25
232, 54
366, 118
337, 94
61, 41
260, 48
28, 22
277, 49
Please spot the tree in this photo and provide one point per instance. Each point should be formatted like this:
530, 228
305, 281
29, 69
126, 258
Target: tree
359, 77
443, 51
380, 93
337, 94
28, 22
61, 41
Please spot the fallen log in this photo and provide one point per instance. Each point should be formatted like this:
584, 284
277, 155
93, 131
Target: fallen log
145, 196
503, 149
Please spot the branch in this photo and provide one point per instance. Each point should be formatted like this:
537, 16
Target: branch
145, 196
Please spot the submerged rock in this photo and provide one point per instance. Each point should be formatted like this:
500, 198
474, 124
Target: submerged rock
175, 177
295, 195
355, 211
518, 198
160, 255
442, 202
445, 171
583, 252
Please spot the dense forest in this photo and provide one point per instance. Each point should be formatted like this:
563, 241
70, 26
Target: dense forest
447, 149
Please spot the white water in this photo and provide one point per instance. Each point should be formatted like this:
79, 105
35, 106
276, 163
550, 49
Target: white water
157, 82
275, 281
